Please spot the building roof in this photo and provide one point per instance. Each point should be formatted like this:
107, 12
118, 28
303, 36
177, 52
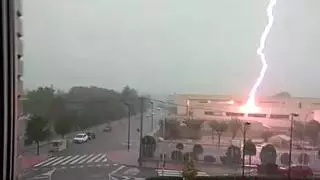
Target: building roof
282, 136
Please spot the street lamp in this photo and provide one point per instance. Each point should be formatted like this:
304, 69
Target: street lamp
163, 121
152, 104
292, 115
246, 125
129, 124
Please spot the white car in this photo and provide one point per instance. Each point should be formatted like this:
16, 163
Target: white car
81, 138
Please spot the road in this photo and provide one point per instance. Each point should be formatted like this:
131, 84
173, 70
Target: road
89, 160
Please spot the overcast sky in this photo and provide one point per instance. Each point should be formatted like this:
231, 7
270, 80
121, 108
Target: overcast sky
166, 46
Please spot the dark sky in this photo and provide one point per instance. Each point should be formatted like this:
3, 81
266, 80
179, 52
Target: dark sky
166, 46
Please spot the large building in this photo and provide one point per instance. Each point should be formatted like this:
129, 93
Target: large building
274, 112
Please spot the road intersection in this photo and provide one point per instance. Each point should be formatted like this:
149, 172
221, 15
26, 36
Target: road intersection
90, 160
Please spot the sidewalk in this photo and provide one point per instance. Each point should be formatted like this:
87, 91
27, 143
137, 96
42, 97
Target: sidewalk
29, 161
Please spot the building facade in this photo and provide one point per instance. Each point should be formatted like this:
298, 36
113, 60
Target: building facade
274, 112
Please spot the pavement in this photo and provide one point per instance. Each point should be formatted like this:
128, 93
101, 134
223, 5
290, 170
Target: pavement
95, 159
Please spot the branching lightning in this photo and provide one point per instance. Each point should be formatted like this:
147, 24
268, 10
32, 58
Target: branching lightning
250, 105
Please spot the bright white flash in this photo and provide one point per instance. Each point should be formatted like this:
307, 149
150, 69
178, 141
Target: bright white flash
250, 105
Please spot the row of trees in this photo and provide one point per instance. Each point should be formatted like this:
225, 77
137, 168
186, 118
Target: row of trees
53, 112
308, 131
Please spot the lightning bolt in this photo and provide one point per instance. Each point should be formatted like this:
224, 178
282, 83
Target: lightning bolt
250, 105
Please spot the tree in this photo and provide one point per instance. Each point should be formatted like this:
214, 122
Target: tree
298, 130
64, 125
234, 127
37, 130
268, 154
304, 158
189, 171
179, 146
266, 135
131, 96
312, 131
213, 124
176, 155
284, 159
197, 150
219, 127
250, 149
148, 146
233, 155
39, 101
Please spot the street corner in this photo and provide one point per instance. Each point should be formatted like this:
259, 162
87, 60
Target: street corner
123, 157
29, 161
38, 173
132, 172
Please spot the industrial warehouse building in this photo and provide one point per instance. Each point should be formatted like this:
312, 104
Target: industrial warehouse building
274, 111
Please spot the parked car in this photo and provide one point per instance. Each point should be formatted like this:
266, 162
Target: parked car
81, 138
91, 135
108, 128
298, 171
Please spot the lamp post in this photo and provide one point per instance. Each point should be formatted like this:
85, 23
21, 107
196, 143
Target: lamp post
152, 106
304, 129
129, 125
246, 124
292, 115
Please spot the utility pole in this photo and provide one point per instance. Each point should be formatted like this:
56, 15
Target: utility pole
152, 106
290, 145
246, 124
141, 129
129, 125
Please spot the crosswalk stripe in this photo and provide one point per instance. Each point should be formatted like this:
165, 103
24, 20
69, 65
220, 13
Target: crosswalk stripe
105, 160
83, 160
51, 162
69, 160
81, 157
100, 158
43, 162
95, 157
61, 160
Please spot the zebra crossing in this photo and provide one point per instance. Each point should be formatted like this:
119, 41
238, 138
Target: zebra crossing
176, 173
73, 160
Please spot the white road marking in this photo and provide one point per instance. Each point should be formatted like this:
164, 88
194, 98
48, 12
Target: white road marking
83, 160
118, 169
95, 157
100, 158
69, 160
82, 166
167, 172
61, 160
51, 162
81, 157
43, 162
105, 160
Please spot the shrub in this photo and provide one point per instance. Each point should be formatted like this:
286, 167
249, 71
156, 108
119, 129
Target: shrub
284, 158
209, 158
176, 155
304, 158
180, 146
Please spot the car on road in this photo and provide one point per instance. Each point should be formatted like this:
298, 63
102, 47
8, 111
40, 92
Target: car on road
91, 135
108, 128
81, 138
